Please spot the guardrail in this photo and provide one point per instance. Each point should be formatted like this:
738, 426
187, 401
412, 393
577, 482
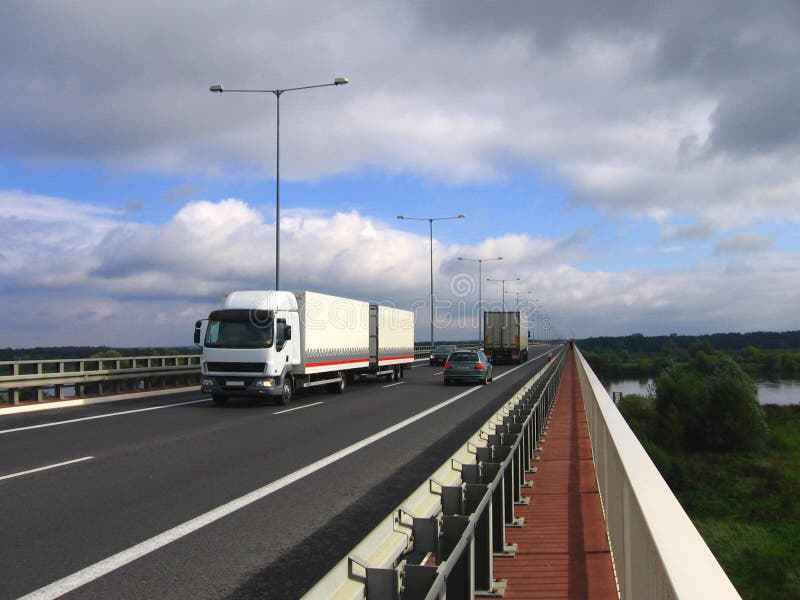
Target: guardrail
657, 551
30, 380
458, 517
36, 376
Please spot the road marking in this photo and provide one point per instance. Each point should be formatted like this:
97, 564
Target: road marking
116, 561
115, 414
61, 464
280, 412
439, 373
393, 384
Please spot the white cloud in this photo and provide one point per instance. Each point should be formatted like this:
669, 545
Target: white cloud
146, 284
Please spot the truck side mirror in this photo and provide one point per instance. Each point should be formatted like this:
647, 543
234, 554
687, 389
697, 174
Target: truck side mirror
287, 333
197, 326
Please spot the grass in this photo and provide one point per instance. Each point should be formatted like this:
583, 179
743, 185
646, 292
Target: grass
745, 505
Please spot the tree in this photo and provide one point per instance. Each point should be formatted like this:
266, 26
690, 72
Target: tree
714, 402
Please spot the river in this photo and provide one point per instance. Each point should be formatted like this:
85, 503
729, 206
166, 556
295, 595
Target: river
779, 391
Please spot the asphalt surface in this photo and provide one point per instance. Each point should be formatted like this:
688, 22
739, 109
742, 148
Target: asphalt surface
139, 474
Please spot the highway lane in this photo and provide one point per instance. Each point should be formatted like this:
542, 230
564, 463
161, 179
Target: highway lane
154, 470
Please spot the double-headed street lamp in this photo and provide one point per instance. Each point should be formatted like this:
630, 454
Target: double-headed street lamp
430, 221
480, 287
503, 281
218, 88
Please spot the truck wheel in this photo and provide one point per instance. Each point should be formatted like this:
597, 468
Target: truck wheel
338, 387
219, 399
287, 392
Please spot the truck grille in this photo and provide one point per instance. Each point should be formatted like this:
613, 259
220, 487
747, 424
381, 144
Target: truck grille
235, 367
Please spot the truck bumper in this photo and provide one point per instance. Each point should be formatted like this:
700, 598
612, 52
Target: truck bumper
226, 385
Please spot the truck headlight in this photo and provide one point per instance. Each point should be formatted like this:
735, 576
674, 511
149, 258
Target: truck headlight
207, 382
266, 383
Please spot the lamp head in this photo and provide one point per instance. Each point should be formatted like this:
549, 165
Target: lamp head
400, 217
215, 88
341, 81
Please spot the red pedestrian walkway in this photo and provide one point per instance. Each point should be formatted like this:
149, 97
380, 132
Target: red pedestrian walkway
562, 548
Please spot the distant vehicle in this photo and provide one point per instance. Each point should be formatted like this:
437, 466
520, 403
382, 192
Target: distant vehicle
467, 365
505, 337
270, 344
440, 354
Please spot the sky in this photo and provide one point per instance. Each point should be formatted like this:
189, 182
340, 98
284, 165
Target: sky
635, 164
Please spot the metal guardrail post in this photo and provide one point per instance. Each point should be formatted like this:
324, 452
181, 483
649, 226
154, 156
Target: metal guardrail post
470, 527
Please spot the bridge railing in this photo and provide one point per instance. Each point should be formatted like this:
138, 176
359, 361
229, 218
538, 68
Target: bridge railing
458, 517
657, 551
31, 379
36, 376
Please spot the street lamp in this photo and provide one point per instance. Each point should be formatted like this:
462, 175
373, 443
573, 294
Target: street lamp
430, 221
504, 288
219, 89
480, 287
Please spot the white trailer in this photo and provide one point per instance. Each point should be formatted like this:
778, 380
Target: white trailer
273, 343
506, 336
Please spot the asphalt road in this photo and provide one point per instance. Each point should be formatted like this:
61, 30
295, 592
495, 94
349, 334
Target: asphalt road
177, 498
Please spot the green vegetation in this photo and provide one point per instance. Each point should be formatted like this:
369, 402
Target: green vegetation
764, 354
732, 464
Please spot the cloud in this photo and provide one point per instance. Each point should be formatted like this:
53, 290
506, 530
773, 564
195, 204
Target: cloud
119, 282
663, 111
744, 243
698, 232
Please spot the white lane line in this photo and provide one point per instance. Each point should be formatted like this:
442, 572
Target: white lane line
439, 373
280, 412
61, 464
392, 384
114, 562
115, 414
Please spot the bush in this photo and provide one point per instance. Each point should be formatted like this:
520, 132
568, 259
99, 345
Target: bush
709, 405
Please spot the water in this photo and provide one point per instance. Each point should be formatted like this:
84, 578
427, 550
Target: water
779, 391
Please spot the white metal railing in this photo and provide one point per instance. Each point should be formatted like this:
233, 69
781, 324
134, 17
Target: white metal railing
459, 514
37, 375
657, 551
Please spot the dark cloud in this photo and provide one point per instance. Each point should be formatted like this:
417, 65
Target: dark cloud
744, 243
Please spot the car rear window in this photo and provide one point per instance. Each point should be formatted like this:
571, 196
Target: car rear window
463, 357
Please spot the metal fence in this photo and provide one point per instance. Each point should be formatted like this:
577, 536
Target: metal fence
40, 380
458, 518
32, 379
657, 550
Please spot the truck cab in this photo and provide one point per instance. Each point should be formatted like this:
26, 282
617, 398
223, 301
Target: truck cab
250, 346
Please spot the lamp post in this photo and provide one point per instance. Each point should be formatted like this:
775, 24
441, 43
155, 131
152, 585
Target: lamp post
480, 287
504, 288
430, 221
219, 89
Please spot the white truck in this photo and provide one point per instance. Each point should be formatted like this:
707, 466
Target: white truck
270, 344
505, 336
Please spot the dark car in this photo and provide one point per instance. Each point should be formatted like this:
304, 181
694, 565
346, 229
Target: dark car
440, 354
467, 365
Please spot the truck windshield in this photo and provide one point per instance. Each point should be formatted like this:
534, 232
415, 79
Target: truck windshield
238, 332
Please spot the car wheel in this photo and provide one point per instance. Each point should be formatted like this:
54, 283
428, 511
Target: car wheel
447, 381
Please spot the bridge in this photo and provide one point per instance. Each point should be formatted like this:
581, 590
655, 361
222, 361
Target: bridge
532, 486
